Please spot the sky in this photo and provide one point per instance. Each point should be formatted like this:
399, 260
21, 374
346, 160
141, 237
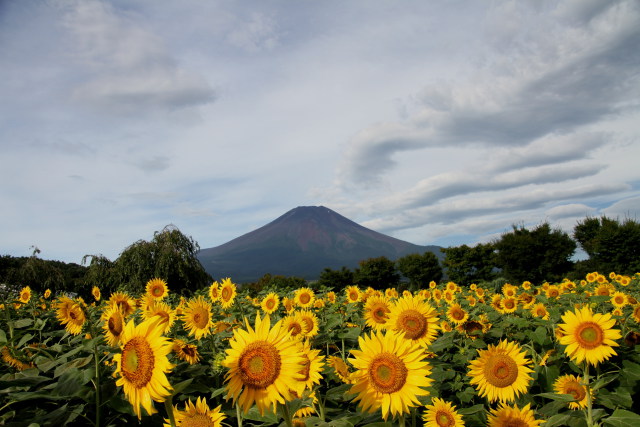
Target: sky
439, 123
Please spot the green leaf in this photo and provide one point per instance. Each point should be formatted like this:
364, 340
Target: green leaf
24, 339
556, 396
351, 334
472, 410
22, 323
254, 415
3, 337
76, 363
623, 418
181, 386
620, 397
540, 335
558, 420
631, 370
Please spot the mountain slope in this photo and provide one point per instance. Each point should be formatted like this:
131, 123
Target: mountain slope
301, 243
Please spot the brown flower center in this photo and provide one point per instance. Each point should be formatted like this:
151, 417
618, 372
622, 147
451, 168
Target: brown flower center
197, 420
575, 389
304, 298
115, 324
589, 335
444, 419
137, 362
500, 370
259, 364
412, 323
387, 373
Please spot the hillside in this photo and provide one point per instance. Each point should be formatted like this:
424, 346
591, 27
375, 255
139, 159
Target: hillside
301, 243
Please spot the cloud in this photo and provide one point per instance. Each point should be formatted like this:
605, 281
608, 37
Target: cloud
258, 32
570, 210
622, 209
127, 68
154, 164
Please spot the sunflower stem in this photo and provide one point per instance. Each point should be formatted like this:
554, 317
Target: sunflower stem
238, 415
96, 360
401, 421
169, 409
586, 385
286, 414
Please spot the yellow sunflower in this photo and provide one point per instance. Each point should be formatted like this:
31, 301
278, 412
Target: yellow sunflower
636, 313
311, 368
294, 324
228, 293
331, 297
376, 312
71, 314
570, 384
47, 293
441, 414
161, 311
588, 336
142, 364
185, 351
157, 288
304, 297
113, 324
391, 293
310, 323
390, 373
619, 299
25, 295
353, 294
95, 292
415, 319
501, 372
125, 303
197, 415
507, 416
457, 314
270, 303
197, 317
539, 310
340, 368
263, 366
214, 291
508, 305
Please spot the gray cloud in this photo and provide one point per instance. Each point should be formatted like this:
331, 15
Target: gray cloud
153, 164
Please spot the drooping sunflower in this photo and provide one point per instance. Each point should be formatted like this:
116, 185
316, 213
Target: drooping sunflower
310, 322
142, 365
113, 324
442, 414
340, 368
157, 288
185, 351
376, 312
390, 373
124, 301
588, 336
228, 293
263, 366
415, 319
197, 415
508, 416
197, 317
311, 368
501, 372
457, 314
163, 312
570, 384
270, 303
95, 291
304, 297
353, 294
25, 295
214, 291
71, 314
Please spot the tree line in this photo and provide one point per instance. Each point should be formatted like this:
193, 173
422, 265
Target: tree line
543, 253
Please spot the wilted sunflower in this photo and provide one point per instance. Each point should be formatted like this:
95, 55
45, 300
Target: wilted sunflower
157, 288
304, 297
161, 311
142, 365
270, 303
457, 314
263, 366
390, 373
197, 317
185, 351
588, 336
508, 416
125, 303
441, 414
415, 319
376, 312
113, 324
95, 291
353, 294
501, 372
197, 415
25, 295
570, 384
71, 314
227, 293
312, 365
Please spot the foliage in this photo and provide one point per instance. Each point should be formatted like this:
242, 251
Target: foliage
465, 265
277, 283
378, 273
336, 279
611, 245
537, 255
420, 269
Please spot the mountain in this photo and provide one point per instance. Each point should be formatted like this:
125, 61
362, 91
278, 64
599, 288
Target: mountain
301, 243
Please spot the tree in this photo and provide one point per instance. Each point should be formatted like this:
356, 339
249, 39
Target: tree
379, 273
537, 255
611, 245
170, 256
466, 265
335, 279
420, 269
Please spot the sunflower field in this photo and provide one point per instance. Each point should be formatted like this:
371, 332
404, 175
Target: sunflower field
495, 354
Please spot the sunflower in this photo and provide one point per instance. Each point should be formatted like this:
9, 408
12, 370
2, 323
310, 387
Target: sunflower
310, 323
331, 297
376, 312
507, 416
539, 310
270, 303
312, 365
197, 415
47, 293
161, 311
588, 336
214, 291
391, 293
603, 289
227, 293
142, 365
552, 291
390, 373
340, 368
636, 313
25, 295
184, 351
113, 324
125, 303
508, 305
570, 384
457, 314
294, 324
353, 294
157, 288
197, 317
441, 414
414, 318
71, 314
509, 290
501, 372
95, 291
263, 366
473, 328
304, 297
619, 299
